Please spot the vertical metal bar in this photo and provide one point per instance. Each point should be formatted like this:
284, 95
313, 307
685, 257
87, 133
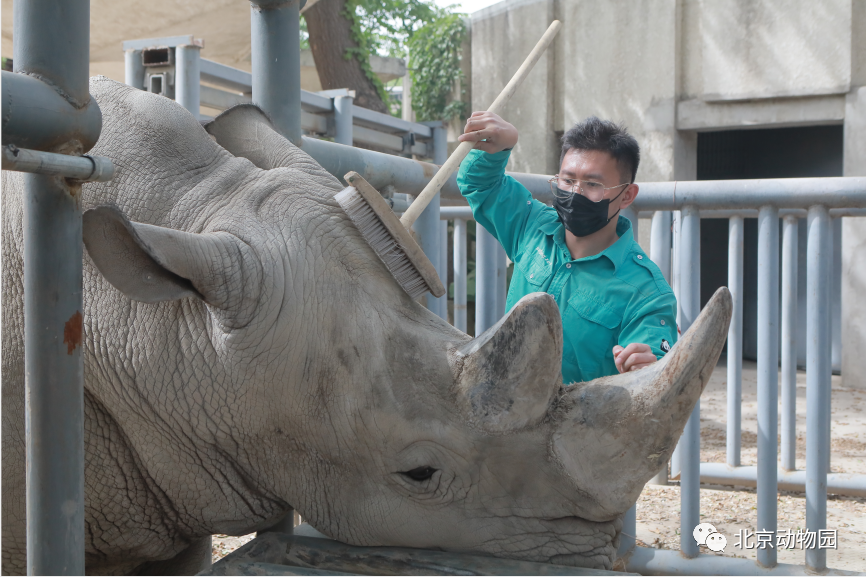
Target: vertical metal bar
818, 373
53, 335
501, 271
660, 253
836, 295
133, 69
485, 280
768, 375
690, 443
460, 274
442, 269
735, 340
676, 232
790, 243
276, 64
188, 78
428, 227
343, 112
627, 537
52, 40
660, 242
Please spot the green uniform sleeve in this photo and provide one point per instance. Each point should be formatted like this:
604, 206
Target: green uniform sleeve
499, 203
654, 324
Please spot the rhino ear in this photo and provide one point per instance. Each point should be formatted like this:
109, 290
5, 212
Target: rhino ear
152, 264
507, 377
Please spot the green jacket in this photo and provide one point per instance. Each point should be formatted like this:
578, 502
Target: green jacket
618, 296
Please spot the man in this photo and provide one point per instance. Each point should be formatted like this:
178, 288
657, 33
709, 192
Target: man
618, 313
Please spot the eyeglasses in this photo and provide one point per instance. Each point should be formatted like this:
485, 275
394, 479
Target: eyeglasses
562, 188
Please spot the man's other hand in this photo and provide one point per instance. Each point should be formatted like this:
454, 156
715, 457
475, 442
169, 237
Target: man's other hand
490, 128
633, 357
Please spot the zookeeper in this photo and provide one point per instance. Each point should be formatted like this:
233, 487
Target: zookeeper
618, 312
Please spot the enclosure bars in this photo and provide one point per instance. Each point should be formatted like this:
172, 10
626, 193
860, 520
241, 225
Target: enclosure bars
52, 40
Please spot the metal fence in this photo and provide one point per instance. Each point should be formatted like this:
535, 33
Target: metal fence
676, 210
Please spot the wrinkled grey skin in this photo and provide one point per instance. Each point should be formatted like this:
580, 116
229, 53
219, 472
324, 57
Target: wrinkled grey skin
246, 351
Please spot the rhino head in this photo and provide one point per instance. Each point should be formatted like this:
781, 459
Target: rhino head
254, 354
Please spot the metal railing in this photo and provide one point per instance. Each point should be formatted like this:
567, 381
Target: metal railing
173, 67
675, 247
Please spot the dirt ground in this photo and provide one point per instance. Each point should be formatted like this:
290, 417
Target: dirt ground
732, 510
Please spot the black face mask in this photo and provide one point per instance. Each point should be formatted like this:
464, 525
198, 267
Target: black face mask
581, 216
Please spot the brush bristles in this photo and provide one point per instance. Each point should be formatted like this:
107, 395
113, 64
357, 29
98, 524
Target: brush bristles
381, 241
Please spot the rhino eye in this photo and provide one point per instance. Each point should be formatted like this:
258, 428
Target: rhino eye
419, 473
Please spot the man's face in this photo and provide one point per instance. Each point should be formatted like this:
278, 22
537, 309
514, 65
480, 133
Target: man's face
599, 166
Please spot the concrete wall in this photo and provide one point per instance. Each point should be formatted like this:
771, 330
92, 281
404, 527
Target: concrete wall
854, 229
502, 36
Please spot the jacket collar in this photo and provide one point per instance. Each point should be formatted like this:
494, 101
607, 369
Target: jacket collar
615, 253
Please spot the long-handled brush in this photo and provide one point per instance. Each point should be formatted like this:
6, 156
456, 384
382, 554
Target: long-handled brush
387, 234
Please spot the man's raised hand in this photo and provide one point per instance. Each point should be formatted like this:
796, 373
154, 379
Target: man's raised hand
490, 132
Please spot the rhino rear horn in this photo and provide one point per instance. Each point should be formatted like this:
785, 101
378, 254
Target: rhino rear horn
153, 264
615, 433
506, 378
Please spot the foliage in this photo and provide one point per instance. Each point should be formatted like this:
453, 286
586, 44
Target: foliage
387, 28
435, 61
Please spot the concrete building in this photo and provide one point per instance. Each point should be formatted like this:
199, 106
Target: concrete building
712, 89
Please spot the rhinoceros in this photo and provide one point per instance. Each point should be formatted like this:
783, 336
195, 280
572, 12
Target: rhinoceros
245, 352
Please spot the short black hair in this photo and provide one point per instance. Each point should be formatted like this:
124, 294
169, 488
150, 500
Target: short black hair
596, 134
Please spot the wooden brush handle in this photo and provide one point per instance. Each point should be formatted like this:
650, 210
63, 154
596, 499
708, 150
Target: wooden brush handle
453, 162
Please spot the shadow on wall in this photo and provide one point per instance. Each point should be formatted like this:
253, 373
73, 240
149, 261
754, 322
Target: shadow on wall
812, 151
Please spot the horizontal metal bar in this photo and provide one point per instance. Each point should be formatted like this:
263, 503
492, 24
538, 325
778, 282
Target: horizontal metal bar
452, 212
836, 192
649, 561
753, 213
849, 484
84, 168
314, 123
226, 76
315, 102
36, 116
220, 99
376, 138
170, 41
379, 119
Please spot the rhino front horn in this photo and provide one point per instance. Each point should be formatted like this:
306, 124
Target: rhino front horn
507, 378
615, 433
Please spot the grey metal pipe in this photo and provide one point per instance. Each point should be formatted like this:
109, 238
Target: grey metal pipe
52, 42
848, 484
442, 268
768, 375
676, 235
735, 341
343, 106
485, 280
430, 232
649, 561
53, 333
276, 63
840, 192
790, 244
460, 274
660, 242
83, 168
188, 78
133, 69
627, 537
35, 116
660, 253
690, 443
501, 281
818, 373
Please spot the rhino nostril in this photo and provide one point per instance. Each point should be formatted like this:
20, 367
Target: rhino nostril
419, 473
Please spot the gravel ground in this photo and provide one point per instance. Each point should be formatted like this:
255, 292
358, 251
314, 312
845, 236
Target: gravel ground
732, 510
